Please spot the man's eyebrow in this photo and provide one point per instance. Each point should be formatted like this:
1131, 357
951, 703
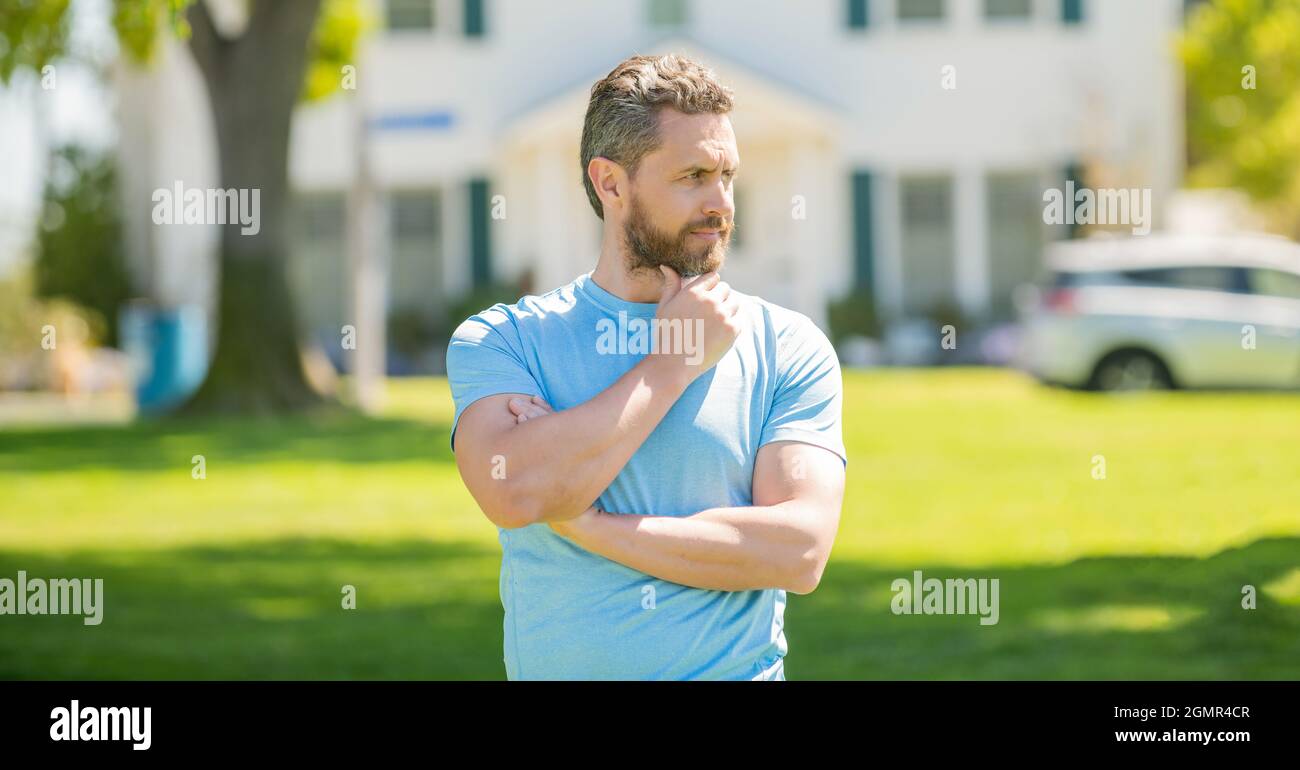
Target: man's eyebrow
699, 167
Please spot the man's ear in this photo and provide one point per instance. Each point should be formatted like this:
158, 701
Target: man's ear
610, 181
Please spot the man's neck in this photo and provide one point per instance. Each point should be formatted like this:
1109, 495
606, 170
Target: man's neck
612, 275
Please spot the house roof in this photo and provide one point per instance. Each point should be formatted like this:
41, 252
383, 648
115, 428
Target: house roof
765, 106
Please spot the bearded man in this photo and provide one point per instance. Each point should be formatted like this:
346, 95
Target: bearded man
654, 508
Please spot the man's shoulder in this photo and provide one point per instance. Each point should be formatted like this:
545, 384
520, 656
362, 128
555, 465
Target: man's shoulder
786, 326
513, 319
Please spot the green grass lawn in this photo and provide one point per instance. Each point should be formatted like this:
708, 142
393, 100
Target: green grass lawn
959, 473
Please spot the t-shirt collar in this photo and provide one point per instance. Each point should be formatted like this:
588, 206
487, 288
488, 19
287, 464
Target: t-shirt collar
611, 302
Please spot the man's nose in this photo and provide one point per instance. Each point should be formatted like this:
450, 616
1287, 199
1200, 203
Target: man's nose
719, 203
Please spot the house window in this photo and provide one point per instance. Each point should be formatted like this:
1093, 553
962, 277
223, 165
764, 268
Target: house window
415, 260
864, 258
414, 215
480, 232
1015, 235
857, 14
320, 216
410, 15
928, 244
667, 13
920, 10
475, 22
318, 263
1072, 11
1008, 9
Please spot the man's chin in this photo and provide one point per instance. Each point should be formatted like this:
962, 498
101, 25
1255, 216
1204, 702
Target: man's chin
686, 267
706, 264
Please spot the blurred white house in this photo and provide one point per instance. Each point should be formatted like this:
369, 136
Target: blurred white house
915, 138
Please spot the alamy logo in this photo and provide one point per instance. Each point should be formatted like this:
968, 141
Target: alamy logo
1103, 206
87, 723
57, 596
671, 336
932, 596
213, 206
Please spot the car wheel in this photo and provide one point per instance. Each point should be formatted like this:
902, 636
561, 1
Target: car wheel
1131, 370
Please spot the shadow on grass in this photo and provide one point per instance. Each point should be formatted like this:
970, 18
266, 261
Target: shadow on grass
431, 611
338, 436
268, 611
1114, 617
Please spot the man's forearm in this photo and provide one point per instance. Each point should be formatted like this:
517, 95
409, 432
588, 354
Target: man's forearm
558, 465
724, 549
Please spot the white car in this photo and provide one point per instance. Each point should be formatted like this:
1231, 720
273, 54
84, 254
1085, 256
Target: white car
1166, 311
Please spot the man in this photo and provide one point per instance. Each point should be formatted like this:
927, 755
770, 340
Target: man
655, 502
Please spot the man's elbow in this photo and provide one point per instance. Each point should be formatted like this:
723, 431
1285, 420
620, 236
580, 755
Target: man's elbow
513, 512
506, 501
509, 507
804, 584
520, 506
807, 575
508, 518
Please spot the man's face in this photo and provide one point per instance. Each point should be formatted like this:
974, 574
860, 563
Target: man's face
680, 210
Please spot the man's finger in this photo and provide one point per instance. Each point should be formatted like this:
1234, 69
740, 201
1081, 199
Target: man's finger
532, 410
519, 407
705, 281
672, 284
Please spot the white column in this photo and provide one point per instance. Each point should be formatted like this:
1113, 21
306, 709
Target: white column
840, 266
551, 201
966, 14
367, 243
809, 174
971, 229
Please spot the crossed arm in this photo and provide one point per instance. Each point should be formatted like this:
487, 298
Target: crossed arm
782, 541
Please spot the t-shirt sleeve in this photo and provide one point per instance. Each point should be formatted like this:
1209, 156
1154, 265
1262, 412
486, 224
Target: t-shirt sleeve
485, 357
809, 393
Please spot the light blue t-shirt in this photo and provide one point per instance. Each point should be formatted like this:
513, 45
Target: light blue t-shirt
571, 614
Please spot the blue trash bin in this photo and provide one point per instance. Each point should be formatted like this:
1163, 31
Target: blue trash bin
168, 348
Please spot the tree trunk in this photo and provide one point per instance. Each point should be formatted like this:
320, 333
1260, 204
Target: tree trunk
254, 82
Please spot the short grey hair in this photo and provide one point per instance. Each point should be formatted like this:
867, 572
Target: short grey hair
621, 122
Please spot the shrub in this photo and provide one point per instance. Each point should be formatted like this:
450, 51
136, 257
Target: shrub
80, 254
853, 314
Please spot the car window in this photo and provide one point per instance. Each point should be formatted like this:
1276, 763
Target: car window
1275, 283
1071, 280
1199, 277
1203, 277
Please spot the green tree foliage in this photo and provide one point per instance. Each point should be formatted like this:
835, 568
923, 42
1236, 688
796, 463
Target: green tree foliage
80, 255
34, 33
1242, 63
333, 46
